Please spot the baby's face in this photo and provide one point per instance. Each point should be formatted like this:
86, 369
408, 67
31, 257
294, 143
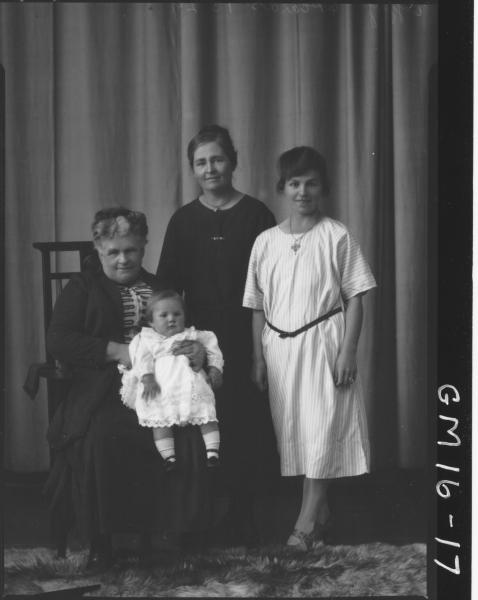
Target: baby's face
167, 317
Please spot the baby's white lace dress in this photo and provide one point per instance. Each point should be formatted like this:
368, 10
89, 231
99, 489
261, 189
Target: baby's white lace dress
185, 397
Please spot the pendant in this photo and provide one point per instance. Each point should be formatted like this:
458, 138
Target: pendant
295, 246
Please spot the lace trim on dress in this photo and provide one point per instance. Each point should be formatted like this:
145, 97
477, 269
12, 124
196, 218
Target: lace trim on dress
171, 422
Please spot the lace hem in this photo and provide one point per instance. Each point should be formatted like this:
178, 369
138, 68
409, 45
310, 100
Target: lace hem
172, 422
127, 398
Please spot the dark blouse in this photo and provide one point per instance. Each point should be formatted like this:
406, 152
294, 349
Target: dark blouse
206, 253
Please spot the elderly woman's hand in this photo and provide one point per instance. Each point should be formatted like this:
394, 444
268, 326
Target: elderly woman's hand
116, 352
193, 350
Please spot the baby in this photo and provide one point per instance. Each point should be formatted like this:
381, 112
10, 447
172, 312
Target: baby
163, 388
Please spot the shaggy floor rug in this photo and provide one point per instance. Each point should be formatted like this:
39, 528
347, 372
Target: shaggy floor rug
325, 572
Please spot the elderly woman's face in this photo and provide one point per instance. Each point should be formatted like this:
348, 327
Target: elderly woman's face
212, 168
121, 258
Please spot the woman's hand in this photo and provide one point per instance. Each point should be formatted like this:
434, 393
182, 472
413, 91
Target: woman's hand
150, 386
193, 350
345, 370
259, 367
259, 374
215, 377
116, 352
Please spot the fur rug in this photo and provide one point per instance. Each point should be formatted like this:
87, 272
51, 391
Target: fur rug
326, 571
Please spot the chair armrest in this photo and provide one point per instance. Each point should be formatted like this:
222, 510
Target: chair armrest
57, 371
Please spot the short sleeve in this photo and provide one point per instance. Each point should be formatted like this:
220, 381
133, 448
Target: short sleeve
213, 353
356, 275
253, 294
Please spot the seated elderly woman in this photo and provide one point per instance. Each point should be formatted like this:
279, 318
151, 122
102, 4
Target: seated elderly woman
107, 476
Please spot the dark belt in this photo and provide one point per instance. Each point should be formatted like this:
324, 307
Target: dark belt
284, 334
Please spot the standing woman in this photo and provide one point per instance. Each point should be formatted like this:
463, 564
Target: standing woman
205, 256
305, 283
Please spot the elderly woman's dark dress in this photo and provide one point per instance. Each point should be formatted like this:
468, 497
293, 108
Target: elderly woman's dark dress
107, 474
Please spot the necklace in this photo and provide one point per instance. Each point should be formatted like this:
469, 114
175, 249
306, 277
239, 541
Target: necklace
214, 207
297, 239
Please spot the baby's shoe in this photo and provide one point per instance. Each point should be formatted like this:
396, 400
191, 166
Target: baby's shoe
212, 459
170, 464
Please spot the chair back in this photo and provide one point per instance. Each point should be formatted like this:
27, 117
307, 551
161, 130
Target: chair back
54, 279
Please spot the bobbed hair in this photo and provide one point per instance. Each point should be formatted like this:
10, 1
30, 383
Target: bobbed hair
298, 161
162, 295
118, 221
213, 133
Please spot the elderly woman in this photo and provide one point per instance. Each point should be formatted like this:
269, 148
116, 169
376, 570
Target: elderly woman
205, 256
107, 475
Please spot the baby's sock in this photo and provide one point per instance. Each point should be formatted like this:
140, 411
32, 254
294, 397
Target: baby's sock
211, 440
165, 447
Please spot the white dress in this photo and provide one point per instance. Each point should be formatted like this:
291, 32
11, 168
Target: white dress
321, 429
186, 398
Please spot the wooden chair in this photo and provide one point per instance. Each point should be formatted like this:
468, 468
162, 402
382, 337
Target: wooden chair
53, 371
54, 280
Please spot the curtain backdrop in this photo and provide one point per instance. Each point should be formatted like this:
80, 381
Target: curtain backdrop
101, 100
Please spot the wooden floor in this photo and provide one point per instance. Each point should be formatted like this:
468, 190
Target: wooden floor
389, 506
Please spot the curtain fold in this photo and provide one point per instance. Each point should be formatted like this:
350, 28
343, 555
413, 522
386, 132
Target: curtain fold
102, 99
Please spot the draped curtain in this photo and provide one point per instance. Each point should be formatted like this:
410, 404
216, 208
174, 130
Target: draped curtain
102, 99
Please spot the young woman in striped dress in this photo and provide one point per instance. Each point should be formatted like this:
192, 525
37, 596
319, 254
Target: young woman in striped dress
305, 283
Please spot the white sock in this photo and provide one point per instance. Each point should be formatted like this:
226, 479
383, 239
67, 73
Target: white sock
165, 447
211, 440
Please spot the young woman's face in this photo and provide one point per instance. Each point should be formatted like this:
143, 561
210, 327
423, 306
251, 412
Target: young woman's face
121, 258
212, 168
304, 193
167, 317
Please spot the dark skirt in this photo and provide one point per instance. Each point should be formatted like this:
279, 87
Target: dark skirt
113, 480
248, 449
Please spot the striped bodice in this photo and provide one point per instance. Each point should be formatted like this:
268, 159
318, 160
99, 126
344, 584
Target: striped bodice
134, 299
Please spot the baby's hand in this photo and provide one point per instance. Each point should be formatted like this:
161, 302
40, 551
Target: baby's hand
214, 377
150, 386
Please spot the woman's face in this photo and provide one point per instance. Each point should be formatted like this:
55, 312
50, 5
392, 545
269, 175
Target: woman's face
212, 168
167, 317
121, 258
304, 192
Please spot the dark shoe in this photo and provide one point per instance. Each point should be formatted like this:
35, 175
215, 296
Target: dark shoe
100, 557
99, 562
170, 464
213, 461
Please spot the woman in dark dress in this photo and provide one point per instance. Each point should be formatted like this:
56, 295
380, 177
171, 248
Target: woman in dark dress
205, 255
107, 476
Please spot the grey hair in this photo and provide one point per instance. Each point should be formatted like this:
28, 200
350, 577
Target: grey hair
118, 221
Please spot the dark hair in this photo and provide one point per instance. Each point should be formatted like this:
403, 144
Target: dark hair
117, 220
213, 133
162, 295
300, 160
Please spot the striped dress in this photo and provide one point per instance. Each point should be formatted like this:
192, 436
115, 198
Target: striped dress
321, 429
